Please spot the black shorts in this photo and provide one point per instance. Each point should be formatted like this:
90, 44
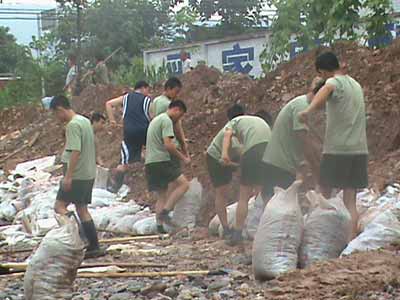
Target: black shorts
160, 174
219, 174
250, 165
131, 148
344, 171
275, 177
80, 193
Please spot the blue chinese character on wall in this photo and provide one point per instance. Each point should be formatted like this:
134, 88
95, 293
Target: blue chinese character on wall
392, 32
238, 59
174, 64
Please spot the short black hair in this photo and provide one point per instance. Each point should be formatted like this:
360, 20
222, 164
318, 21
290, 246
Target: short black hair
327, 61
266, 116
172, 83
60, 101
318, 86
72, 57
141, 84
97, 117
99, 57
178, 103
235, 111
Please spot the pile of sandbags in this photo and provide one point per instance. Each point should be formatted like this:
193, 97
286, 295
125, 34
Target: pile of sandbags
283, 241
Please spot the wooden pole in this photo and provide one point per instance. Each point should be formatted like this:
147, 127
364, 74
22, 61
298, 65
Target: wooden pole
105, 241
130, 275
133, 238
144, 274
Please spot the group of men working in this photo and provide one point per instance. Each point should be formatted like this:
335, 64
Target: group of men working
273, 158
266, 157
97, 75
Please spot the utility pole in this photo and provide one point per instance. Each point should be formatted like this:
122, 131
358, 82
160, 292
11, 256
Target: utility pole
39, 53
79, 46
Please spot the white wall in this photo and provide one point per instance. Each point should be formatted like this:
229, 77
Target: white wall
241, 55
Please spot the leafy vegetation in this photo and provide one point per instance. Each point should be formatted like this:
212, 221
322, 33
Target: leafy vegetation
312, 22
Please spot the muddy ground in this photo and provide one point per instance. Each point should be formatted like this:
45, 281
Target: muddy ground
362, 276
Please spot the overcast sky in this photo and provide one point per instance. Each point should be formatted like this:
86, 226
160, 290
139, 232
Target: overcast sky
23, 30
31, 2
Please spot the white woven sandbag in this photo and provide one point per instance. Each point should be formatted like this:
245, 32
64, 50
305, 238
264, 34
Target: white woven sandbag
52, 270
146, 226
254, 216
255, 210
370, 214
327, 230
126, 223
278, 237
187, 209
381, 232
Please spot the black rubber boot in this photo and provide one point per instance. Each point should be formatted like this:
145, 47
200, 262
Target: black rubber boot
114, 184
93, 250
161, 229
165, 218
228, 232
235, 239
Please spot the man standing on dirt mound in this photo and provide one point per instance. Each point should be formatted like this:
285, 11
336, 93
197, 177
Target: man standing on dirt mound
254, 134
77, 184
172, 88
70, 81
163, 163
136, 119
344, 162
290, 144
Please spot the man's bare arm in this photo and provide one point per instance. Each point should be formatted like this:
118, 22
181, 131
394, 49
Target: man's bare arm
73, 161
110, 104
180, 136
318, 102
226, 146
171, 148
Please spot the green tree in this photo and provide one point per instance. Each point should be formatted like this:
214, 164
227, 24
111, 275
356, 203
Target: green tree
18, 60
306, 21
10, 52
237, 16
110, 24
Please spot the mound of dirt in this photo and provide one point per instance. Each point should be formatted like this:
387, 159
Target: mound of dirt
346, 278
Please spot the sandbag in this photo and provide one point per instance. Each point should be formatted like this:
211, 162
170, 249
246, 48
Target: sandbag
256, 207
370, 214
146, 226
215, 227
278, 237
104, 216
327, 230
254, 216
52, 270
187, 209
381, 232
126, 223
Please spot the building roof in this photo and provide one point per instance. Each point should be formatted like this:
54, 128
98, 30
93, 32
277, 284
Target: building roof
242, 37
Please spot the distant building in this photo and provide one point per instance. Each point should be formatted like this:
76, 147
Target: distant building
234, 54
